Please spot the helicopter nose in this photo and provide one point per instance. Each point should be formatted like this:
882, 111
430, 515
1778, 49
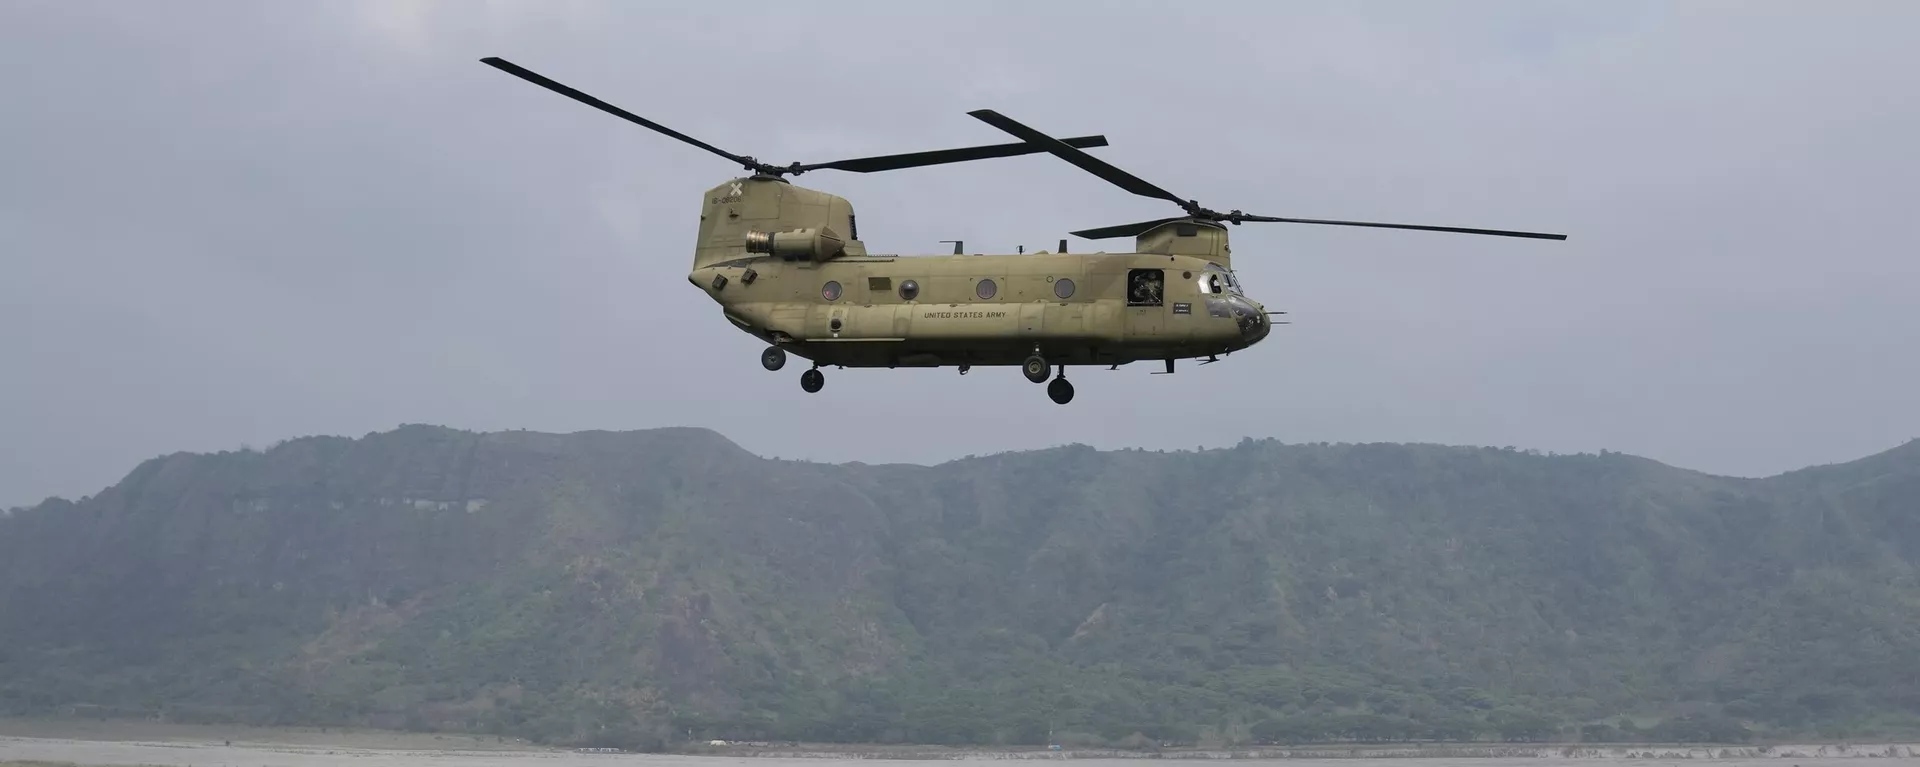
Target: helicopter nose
1252, 319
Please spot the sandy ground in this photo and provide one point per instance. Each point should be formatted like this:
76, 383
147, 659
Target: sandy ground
128, 730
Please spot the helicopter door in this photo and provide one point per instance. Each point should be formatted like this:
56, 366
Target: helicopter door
1146, 302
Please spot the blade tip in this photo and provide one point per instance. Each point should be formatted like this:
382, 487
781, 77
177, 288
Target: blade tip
1078, 142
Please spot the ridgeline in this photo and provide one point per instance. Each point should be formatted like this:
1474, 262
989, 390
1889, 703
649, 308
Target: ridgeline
640, 589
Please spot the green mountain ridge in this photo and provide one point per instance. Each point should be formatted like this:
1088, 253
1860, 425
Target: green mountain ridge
636, 588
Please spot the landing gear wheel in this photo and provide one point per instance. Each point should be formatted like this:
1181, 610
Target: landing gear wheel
773, 358
1035, 369
812, 380
1060, 391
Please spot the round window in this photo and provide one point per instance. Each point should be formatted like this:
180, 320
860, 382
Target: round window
909, 290
985, 289
1063, 287
830, 291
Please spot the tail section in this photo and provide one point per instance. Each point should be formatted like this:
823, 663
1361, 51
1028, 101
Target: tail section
737, 216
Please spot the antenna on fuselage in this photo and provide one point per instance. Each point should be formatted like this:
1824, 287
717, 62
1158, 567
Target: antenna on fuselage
957, 245
1063, 246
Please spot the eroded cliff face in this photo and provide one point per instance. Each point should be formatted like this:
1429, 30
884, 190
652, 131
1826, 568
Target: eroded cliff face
635, 586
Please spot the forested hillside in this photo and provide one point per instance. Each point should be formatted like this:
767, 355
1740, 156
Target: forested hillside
640, 587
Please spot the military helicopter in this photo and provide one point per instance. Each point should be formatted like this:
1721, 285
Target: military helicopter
786, 265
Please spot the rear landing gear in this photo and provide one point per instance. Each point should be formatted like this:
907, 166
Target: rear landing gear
773, 358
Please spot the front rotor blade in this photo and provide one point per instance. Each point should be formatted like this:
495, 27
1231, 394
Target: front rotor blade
1084, 161
943, 156
1124, 230
1419, 227
537, 79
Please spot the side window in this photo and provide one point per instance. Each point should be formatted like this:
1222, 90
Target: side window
830, 291
986, 289
1145, 287
909, 290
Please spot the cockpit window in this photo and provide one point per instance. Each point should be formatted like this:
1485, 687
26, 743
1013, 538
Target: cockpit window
1218, 279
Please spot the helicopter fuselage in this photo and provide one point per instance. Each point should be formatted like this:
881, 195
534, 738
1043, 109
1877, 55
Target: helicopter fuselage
785, 265
988, 310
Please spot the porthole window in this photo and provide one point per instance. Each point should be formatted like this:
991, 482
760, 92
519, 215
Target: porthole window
1063, 287
985, 289
830, 291
909, 290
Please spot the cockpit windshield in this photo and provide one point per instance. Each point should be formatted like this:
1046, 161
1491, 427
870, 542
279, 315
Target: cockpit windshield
1217, 279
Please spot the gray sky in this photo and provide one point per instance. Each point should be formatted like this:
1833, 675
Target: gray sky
232, 223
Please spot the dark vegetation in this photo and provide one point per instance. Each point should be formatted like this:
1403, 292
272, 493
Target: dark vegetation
638, 589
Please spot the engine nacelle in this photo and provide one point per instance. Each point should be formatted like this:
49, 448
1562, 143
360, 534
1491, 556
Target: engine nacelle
810, 244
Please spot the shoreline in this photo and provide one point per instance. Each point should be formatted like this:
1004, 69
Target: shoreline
39, 738
1331, 751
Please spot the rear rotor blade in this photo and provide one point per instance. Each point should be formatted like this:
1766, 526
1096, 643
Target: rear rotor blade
942, 156
1419, 227
541, 80
1084, 161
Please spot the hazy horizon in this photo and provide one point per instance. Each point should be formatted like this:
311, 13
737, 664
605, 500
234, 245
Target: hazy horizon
774, 456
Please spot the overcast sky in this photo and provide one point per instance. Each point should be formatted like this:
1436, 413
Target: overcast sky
233, 223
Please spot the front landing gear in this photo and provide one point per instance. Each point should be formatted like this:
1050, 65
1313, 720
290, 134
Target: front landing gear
812, 380
1035, 368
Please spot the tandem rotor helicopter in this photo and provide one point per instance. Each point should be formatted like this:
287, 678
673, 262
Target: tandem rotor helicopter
786, 264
